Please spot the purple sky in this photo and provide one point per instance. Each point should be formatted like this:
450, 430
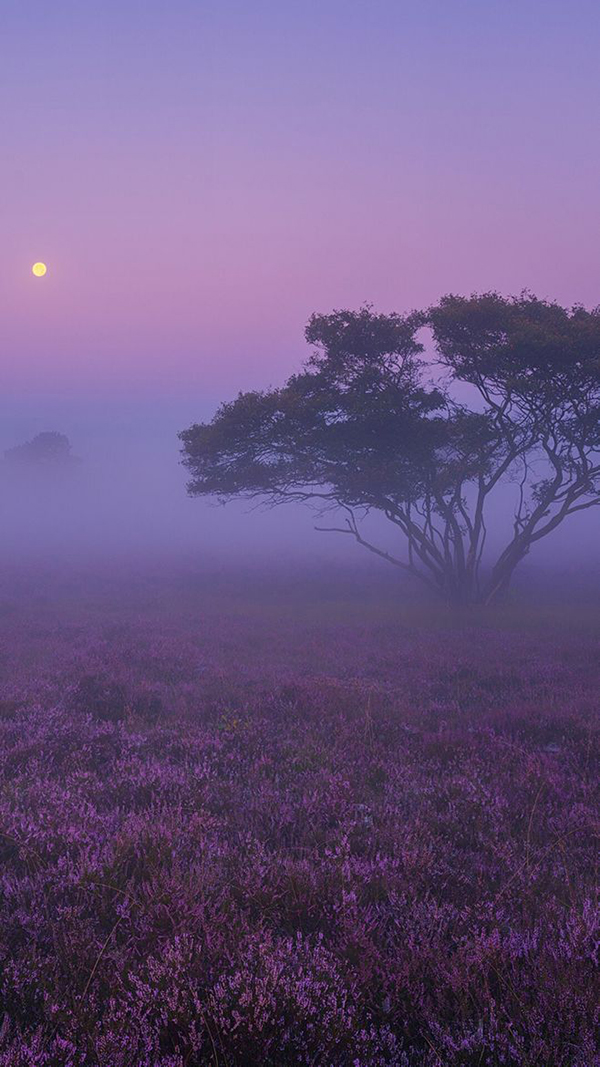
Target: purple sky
200, 176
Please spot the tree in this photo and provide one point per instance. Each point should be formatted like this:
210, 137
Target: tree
360, 429
48, 449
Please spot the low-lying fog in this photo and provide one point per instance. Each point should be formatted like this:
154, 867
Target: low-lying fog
127, 496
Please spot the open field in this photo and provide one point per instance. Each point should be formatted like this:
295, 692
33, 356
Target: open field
274, 820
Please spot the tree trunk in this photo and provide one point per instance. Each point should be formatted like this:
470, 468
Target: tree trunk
502, 573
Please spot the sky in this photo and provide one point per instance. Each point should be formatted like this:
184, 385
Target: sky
201, 176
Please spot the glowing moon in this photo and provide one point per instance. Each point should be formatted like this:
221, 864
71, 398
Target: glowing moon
39, 269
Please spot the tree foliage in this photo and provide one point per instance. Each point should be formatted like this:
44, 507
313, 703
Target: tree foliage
47, 449
361, 428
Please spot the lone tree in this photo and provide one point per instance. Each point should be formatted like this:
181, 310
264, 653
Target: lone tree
361, 429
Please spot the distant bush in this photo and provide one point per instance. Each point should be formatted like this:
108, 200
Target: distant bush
109, 701
148, 705
48, 449
100, 697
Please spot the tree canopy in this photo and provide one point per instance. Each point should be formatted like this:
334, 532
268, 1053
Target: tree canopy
47, 449
363, 427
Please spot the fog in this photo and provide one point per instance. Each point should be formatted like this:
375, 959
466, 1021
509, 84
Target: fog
125, 499
126, 495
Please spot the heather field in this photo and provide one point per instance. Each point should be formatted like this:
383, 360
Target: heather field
286, 820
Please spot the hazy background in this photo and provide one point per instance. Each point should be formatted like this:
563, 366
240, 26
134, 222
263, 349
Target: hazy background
201, 176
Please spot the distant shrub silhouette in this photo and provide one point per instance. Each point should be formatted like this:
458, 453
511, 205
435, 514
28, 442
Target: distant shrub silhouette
109, 701
100, 697
148, 706
48, 449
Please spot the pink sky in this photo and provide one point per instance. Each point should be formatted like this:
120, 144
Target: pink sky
199, 177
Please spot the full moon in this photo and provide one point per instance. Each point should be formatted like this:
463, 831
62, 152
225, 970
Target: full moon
39, 269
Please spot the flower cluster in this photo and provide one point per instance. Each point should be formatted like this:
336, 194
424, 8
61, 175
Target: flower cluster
210, 857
